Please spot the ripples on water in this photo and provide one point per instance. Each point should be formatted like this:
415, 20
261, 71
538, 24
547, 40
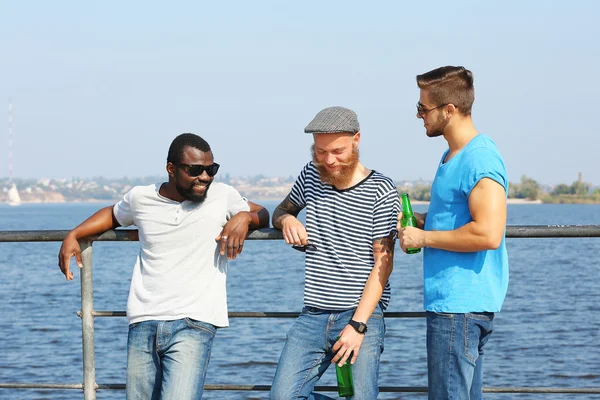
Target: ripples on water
546, 335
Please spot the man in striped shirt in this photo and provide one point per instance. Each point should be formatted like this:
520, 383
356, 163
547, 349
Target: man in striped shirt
351, 214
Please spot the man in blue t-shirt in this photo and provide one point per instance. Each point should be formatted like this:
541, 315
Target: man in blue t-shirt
465, 264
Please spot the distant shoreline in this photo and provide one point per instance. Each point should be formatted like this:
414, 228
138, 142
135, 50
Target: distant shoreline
254, 199
65, 202
508, 201
523, 201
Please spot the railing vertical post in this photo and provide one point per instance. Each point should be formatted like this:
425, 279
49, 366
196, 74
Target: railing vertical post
87, 322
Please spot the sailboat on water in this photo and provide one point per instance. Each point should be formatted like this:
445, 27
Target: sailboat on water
13, 196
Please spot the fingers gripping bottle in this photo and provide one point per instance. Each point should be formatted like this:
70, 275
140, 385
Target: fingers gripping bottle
344, 379
408, 219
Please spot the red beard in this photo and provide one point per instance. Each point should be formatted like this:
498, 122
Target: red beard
341, 177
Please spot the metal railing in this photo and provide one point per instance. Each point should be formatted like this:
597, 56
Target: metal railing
87, 312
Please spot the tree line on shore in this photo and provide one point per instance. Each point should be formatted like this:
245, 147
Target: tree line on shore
100, 188
530, 189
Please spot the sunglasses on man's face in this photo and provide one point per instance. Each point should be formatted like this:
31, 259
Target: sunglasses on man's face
422, 111
198, 169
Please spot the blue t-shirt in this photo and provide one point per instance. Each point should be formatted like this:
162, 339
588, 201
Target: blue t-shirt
456, 282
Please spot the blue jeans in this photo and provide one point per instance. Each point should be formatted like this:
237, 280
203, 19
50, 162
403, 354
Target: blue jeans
307, 355
168, 360
455, 354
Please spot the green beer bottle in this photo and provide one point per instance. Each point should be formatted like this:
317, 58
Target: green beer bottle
408, 219
344, 379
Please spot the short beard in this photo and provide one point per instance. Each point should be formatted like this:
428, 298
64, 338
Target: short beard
189, 194
341, 178
439, 130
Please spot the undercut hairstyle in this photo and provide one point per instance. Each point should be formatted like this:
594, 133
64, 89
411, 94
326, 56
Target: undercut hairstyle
449, 85
183, 140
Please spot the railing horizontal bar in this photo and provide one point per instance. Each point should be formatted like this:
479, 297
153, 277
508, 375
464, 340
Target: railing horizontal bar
393, 389
264, 388
251, 314
129, 235
11, 385
32, 236
542, 390
552, 231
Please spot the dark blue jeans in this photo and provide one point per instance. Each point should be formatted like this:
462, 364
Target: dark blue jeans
455, 354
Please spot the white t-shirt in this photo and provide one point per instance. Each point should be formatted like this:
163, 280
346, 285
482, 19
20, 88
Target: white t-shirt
179, 272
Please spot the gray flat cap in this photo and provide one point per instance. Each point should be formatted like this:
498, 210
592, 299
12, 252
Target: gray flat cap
334, 120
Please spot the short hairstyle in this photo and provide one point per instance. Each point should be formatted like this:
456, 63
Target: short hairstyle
449, 85
183, 140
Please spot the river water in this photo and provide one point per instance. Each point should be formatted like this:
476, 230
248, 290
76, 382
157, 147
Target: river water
546, 335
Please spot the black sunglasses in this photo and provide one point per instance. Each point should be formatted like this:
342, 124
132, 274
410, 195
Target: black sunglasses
198, 169
303, 248
422, 111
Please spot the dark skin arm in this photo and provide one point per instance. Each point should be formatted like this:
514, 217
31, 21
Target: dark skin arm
234, 232
102, 221
284, 219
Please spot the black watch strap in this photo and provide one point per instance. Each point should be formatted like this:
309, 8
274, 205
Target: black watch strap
360, 327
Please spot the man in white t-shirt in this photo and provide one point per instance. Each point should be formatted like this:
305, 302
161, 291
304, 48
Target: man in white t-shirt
188, 227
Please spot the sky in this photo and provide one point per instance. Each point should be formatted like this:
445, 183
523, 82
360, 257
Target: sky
102, 88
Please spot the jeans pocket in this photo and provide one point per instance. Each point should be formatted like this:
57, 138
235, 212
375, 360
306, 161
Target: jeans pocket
202, 326
483, 316
473, 333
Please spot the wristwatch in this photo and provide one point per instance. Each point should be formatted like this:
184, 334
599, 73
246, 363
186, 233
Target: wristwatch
359, 326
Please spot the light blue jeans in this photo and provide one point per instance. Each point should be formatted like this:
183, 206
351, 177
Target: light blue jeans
455, 354
307, 355
168, 360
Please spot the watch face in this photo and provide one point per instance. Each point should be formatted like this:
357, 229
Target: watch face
359, 326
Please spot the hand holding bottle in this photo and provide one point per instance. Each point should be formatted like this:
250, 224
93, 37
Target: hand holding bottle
411, 238
419, 216
344, 378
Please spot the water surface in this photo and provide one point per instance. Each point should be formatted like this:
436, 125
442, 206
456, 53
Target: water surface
546, 335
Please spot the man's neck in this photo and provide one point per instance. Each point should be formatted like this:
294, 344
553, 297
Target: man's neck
460, 134
360, 173
168, 190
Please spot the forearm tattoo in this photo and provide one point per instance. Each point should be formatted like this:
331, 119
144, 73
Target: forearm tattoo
285, 208
384, 247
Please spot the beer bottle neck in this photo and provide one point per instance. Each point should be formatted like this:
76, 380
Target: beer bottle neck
406, 206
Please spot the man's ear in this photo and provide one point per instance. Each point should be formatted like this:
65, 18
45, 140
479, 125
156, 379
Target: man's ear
451, 110
171, 169
356, 140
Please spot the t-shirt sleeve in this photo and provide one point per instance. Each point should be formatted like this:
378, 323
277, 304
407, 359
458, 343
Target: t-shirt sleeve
298, 193
484, 163
235, 202
385, 213
123, 210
